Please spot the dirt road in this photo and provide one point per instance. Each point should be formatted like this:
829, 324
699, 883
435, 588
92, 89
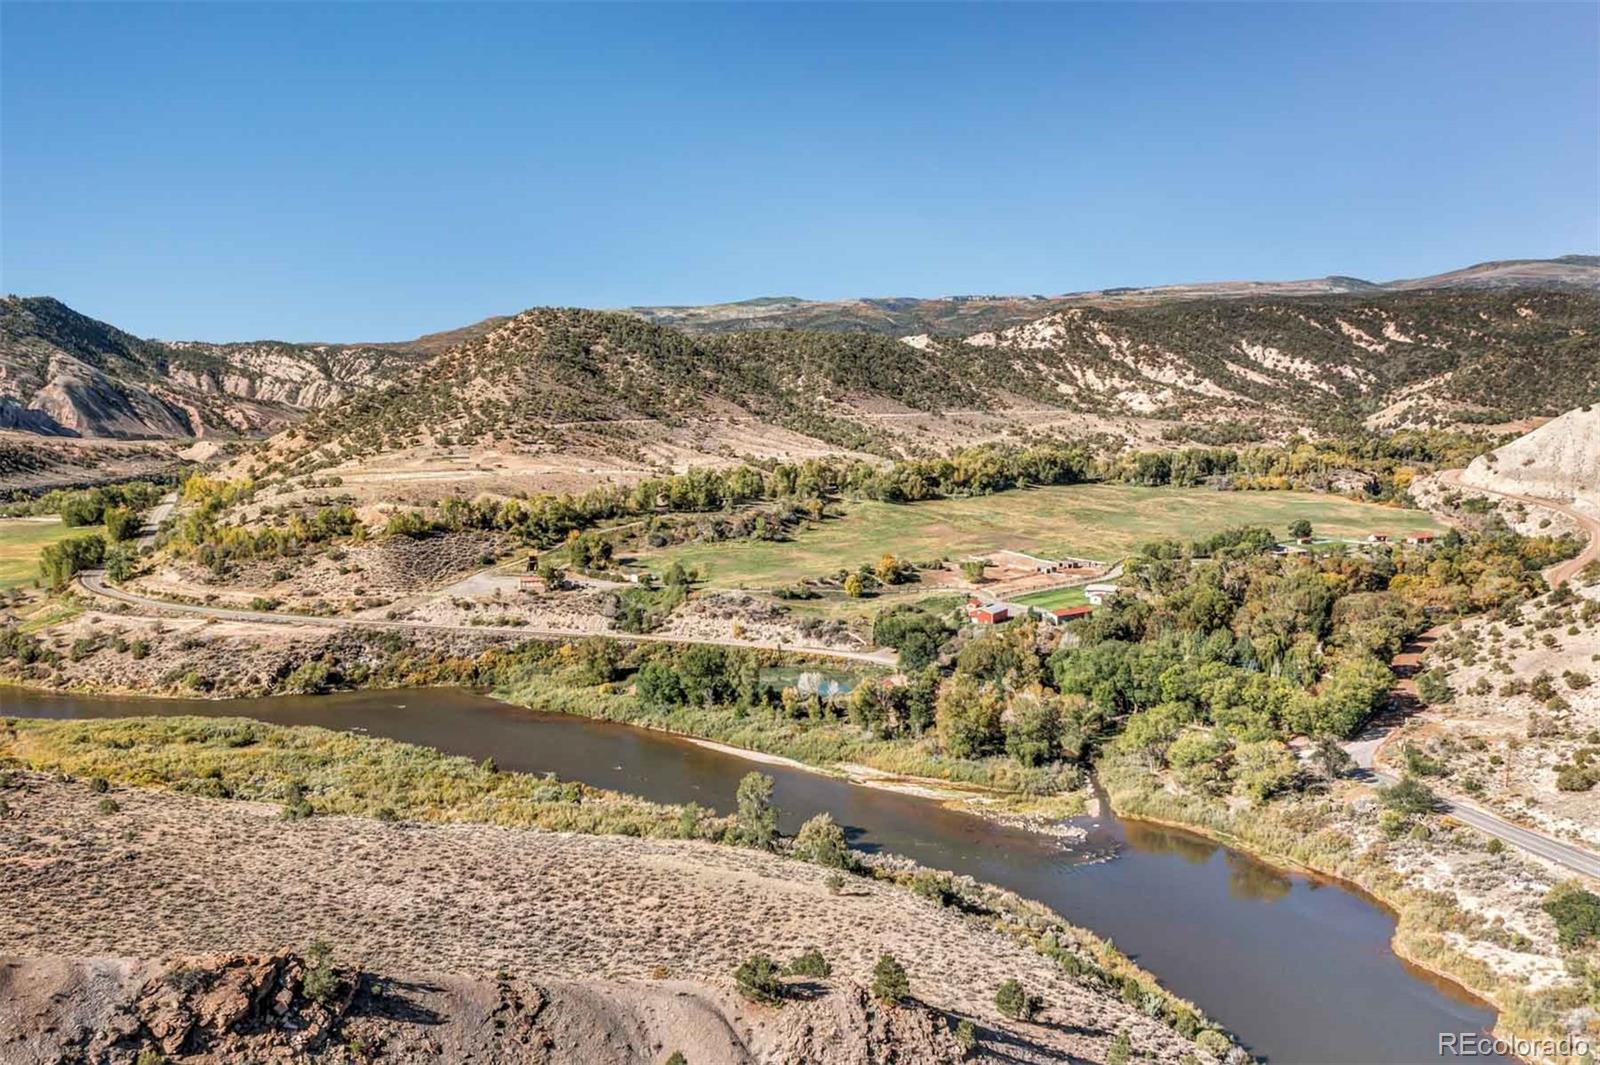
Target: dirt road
93, 583
1561, 571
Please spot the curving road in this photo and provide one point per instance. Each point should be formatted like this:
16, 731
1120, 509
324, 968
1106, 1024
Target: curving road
93, 582
1561, 571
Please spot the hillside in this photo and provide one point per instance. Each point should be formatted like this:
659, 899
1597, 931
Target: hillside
442, 894
65, 374
1560, 460
1495, 341
610, 384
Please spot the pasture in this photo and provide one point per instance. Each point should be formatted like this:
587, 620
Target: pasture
1054, 599
1101, 521
21, 541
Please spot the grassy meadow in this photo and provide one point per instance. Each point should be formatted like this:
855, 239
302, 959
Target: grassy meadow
1054, 599
21, 541
1102, 521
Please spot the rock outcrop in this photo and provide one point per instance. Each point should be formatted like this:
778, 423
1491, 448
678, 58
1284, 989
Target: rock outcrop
1560, 460
259, 1008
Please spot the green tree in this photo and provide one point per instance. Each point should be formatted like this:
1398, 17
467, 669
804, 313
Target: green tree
1300, 528
320, 982
822, 841
1033, 735
912, 631
1200, 760
757, 979
1433, 688
658, 686
120, 561
122, 523
1409, 796
889, 980
1264, 769
1332, 757
967, 716
758, 821
1576, 912
1013, 1001
61, 561
811, 963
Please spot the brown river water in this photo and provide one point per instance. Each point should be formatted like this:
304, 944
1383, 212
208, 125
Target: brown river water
1299, 968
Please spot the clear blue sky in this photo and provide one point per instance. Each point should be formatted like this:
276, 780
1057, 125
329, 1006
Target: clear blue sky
373, 171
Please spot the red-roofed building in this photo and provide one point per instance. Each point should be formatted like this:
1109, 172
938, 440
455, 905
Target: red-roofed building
1071, 613
988, 614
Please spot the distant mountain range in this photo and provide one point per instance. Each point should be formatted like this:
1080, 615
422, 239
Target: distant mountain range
1501, 339
968, 314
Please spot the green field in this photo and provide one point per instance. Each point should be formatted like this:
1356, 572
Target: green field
1103, 521
21, 540
1055, 599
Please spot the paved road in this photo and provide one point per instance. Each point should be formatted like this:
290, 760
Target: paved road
93, 582
1365, 749
153, 520
1574, 859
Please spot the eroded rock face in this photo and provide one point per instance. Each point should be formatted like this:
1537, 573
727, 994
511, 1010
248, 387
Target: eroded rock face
1560, 460
63, 373
253, 1008
850, 1026
243, 1004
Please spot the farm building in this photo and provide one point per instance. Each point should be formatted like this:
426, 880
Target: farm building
988, 614
1099, 593
993, 611
1420, 538
1378, 538
1068, 614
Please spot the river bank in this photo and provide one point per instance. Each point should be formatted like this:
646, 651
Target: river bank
398, 865
1179, 905
1467, 911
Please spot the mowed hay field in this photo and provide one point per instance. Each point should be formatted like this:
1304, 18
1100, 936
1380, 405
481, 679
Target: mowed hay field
1055, 599
21, 540
1101, 521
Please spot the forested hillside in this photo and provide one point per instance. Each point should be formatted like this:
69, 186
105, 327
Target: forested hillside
1263, 369
1492, 343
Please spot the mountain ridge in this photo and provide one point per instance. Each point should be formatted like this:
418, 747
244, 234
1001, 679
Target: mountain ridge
64, 373
962, 313
572, 381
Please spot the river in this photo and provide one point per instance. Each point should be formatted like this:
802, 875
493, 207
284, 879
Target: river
1300, 969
